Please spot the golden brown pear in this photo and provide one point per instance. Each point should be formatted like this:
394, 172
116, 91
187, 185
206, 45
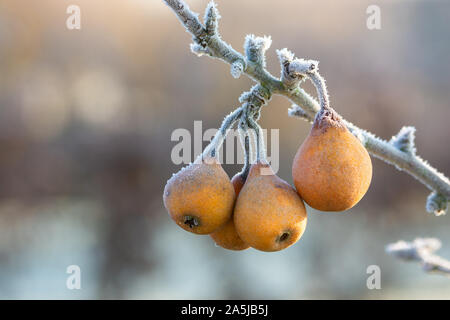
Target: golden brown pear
226, 236
200, 198
269, 215
331, 170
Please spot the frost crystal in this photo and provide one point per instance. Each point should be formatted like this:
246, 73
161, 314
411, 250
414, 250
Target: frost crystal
236, 69
255, 48
199, 50
302, 66
404, 140
436, 203
211, 18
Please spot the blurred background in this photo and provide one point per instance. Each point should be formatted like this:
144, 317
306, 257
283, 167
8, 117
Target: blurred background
86, 118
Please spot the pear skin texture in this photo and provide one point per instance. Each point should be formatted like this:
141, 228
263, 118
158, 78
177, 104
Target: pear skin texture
331, 170
226, 236
200, 198
269, 215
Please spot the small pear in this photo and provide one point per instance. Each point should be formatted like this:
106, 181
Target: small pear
226, 236
331, 170
269, 215
200, 198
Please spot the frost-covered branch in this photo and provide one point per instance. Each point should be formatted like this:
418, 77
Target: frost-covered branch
400, 151
421, 250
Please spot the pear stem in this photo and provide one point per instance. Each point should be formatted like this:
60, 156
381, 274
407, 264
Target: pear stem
321, 87
211, 151
245, 141
260, 146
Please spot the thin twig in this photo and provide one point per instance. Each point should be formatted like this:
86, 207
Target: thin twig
421, 250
